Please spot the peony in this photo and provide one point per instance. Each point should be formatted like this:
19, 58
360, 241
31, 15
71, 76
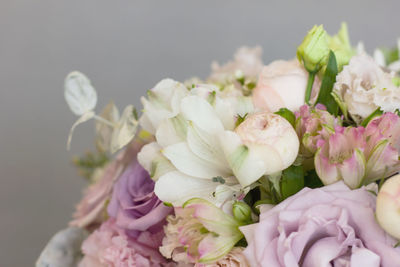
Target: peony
91, 210
365, 86
328, 226
282, 84
235, 258
388, 206
200, 233
134, 204
109, 246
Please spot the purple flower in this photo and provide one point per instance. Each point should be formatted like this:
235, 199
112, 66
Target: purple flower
134, 204
328, 226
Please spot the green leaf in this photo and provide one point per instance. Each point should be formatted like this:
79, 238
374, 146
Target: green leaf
374, 114
390, 55
288, 115
292, 181
325, 97
312, 180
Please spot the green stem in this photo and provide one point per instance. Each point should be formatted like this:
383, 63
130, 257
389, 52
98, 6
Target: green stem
311, 78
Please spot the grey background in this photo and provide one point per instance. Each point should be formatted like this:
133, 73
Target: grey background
125, 47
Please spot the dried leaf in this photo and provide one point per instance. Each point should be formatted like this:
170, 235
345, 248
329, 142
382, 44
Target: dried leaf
80, 95
125, 130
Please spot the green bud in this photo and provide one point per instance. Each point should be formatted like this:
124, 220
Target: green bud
241, 211
314, 49
340, 45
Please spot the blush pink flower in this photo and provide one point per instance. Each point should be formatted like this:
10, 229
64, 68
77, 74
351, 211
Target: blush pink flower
341, 157
91, 210
313, 124
199, 233
109, 246
282, 84
328, 226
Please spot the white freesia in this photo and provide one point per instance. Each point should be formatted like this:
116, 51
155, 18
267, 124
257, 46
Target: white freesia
364, 86
198, 154
388, 206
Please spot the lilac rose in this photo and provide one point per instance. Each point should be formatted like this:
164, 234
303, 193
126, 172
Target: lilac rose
328, 226
134, 204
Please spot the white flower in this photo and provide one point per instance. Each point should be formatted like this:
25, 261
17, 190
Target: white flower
364, 87
197, 153
162, 102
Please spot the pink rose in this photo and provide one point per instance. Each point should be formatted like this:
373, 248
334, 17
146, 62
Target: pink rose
282, 84
110, 246
328, 226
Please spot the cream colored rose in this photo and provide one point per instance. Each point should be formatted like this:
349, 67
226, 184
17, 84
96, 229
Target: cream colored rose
282, 84
388, 206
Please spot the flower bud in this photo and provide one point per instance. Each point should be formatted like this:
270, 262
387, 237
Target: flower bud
241, 211
314, 49
388, 206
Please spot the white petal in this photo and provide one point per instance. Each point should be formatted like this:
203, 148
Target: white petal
125, 131
80, 95
172, 131
85, 117
153, 161
225, 112
201, 113
176, 188
188, 163
249, 163
379, 57
206, 147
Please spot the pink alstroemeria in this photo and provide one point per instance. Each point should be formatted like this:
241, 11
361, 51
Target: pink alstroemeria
313, 124
360, 155
341, 157
199, 233
383, 145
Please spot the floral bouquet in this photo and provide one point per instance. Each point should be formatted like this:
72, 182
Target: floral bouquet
290, 164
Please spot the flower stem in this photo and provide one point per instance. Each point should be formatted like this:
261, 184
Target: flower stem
311, 78
109, 123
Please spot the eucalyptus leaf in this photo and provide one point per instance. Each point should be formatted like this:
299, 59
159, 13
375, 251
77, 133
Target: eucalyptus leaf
292, 181
325, 97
